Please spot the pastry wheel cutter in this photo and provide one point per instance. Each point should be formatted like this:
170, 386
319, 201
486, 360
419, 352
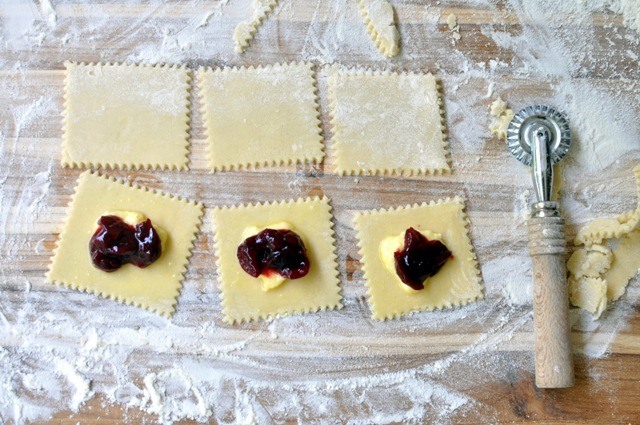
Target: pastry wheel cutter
539, 136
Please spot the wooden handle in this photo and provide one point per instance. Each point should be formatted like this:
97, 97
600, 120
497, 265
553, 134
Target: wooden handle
554, 360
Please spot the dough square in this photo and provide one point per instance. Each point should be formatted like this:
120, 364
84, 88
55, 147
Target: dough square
261, 116
155, 287
242, 295
387, 123
126, 116
457, 283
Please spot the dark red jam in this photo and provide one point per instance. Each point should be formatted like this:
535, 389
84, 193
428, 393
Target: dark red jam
274, 251
116, 243
420, 258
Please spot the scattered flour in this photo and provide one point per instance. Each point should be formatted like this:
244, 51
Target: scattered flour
630, 10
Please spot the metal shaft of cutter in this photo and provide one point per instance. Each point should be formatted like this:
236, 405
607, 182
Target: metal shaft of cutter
541, 163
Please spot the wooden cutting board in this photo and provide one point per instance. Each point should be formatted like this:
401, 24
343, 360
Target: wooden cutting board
486, 349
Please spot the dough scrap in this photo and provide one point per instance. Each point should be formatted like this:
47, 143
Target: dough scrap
589, 262
387, 123
380, 21
156, 287
504, 115
596, 261
454, 28
261, 116
601, 229
245, 30
126, 116
242, 295
626, 262
589, 293
456, 284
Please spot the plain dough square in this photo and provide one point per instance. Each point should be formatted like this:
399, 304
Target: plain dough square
242, 295
155, 287
261, 116
126, 116
457, 283
387, 123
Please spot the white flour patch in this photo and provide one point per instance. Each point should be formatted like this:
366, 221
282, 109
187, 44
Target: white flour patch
81, 385
511, 278
630, 10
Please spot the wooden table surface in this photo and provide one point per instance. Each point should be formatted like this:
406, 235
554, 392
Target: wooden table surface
483, 355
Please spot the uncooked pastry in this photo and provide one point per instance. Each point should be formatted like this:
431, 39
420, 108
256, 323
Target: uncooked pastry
246, 29
626, 262
503, 116
380, 21
261, 116
614, 269
155, 287
601, 229
126, 116
457, 283
589, 262
387, 123
242, 295
589, 293
454, 28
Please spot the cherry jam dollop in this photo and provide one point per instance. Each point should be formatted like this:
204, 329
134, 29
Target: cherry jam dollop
420, 258
117, 243
274, 251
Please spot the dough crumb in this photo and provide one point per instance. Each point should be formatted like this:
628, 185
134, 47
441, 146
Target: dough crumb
490, 90
503, 115
454, 28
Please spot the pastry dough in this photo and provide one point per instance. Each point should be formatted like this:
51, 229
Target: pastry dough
589, 293
126, 116
589, 262
261, 116
242, 295
457, 283
626, 262
380, 21
615, 269
601, 229
454, 28
155, 287
387, 123
503, 116
246, 29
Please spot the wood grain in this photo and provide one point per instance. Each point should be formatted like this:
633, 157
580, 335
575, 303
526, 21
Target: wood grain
554, 357
489, 359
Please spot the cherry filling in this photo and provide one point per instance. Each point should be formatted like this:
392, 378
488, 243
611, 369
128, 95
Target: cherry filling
274, 251
420, 258
116, 243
